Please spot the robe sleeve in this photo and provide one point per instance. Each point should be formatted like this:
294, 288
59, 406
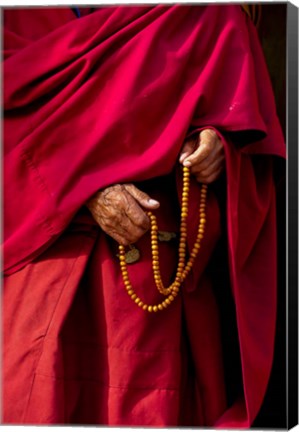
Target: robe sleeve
109, 98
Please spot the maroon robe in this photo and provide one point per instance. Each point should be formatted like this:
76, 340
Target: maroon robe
108, 99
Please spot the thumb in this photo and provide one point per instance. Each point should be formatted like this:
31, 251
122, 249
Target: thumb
187, 150
141, 197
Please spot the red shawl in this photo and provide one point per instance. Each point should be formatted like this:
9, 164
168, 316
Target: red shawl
109, 98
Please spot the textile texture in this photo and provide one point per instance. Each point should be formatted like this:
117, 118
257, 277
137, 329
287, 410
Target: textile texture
109, 98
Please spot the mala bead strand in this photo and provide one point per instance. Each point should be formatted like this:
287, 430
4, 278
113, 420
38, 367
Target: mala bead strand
182, 268
125, 276
174, 287
200, 233
155, 253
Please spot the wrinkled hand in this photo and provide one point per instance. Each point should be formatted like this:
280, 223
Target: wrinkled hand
204, 155
118, 210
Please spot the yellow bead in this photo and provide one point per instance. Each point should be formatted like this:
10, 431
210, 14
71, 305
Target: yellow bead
182, 269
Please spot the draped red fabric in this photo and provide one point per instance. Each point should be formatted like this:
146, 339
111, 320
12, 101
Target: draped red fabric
109, 98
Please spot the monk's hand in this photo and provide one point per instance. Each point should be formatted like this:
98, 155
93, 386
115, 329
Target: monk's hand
120, 212
204, 155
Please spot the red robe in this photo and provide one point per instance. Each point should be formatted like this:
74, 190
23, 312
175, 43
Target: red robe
108, 99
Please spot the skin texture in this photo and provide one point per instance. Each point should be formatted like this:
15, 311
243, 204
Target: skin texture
120, 210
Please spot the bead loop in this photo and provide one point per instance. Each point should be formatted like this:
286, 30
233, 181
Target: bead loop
183, 268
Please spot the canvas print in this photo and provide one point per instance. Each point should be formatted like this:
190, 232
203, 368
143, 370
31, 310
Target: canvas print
144, 215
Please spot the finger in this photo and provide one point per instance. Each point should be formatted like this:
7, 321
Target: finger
209, 164
205, 163
141, 197
135, 214
118, 238
207, 141
207, 179
129, 232
187, 150
125, 232
114, 208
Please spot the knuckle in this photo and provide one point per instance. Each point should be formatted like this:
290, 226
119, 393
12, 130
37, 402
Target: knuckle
205, 172
123, 241
211, 133
144, 223
211, 178
132, 238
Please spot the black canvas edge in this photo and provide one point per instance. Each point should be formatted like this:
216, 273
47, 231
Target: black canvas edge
292, 217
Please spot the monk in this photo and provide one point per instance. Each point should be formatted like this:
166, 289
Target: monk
105, 113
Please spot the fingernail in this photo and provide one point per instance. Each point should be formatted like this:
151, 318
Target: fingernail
153, 202
187, 163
